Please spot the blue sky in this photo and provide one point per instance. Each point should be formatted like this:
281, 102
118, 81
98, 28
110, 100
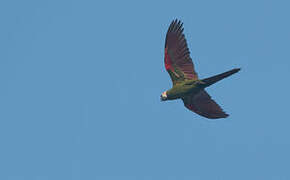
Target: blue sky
81, 81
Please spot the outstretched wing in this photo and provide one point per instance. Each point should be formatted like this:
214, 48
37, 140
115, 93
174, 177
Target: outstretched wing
177, 56
203, 105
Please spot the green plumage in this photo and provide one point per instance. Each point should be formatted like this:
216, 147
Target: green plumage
192, 86
186, 84
184, 88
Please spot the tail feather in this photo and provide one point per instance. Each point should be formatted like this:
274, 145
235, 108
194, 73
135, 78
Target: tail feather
211, 80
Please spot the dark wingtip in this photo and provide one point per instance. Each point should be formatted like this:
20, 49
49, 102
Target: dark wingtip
176, 21
219, 116
175, 26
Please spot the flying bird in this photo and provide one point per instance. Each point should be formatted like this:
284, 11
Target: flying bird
186, 84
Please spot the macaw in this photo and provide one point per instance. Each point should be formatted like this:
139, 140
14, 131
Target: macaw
186, 84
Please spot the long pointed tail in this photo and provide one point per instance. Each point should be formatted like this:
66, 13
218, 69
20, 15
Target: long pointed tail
211, 80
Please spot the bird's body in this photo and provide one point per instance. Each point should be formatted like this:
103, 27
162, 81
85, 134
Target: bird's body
193, 86
186, 84
184, 88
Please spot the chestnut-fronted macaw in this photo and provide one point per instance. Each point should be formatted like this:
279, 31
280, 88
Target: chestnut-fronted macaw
186, 84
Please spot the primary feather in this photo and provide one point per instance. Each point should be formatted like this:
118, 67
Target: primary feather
177, 56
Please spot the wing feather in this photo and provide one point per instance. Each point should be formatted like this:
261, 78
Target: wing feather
203, 105
177, 59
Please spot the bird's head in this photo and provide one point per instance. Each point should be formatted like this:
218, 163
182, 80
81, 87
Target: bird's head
163, 96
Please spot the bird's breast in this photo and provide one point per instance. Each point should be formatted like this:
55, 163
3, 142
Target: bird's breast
180, 91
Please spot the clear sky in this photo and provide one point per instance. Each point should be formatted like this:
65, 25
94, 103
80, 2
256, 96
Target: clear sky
81, 82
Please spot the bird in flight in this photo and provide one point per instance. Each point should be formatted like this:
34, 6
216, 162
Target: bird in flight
186, 84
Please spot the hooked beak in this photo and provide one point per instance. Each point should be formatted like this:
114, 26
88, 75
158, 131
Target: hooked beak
163, 96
